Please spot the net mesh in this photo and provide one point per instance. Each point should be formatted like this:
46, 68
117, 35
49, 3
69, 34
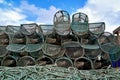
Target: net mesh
79, 24
62, 22
97, 28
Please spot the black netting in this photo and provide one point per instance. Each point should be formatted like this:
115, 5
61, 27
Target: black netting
44, 60
63, 62
9, 61
26, 61
83, 63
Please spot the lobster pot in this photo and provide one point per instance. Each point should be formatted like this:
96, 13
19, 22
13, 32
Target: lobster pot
79, 24
34, 42
92, 53
16, 39
62, 22
74, 51
83, 63
113, 51
26, 61
53, 51
3, 51
9, 61
115, 56
99, 64
28, 29
44, 60
4, 39
89, 42
105, 38
46, 29
97, 28
52, 46
18, 43
64, 62
36, 54
107, 47
70, 41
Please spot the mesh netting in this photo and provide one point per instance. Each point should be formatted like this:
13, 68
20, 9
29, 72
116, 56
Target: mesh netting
4, 39
29, 29
16, 39
92, 53
79, 24
62, 22
3, 51
44, 60
64, 62
83, 63
26, 61
57, 73
36, 54
34, 42
89, 42
106, 37
74, 52
47, 29
101, 64
97, 28
9, 61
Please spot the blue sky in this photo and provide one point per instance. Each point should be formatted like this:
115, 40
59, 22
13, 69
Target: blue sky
16, 12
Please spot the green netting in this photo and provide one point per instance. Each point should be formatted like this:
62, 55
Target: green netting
34, 42
56, 73
64, 62
92, 53
15, 47
16, 39
62, 22
106, 37
3, 51
114, 53
33, 47
107, 47
52, 46
36, 54
97, 28
79, 24
89, 42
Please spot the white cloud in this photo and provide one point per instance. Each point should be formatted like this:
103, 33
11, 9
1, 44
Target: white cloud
1, 1
103, 10
43, 15
12, 17
20, 15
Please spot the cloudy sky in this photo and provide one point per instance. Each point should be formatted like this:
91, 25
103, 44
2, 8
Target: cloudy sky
16, 12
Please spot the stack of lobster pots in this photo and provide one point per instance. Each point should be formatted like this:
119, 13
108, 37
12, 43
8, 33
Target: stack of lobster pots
67, 43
